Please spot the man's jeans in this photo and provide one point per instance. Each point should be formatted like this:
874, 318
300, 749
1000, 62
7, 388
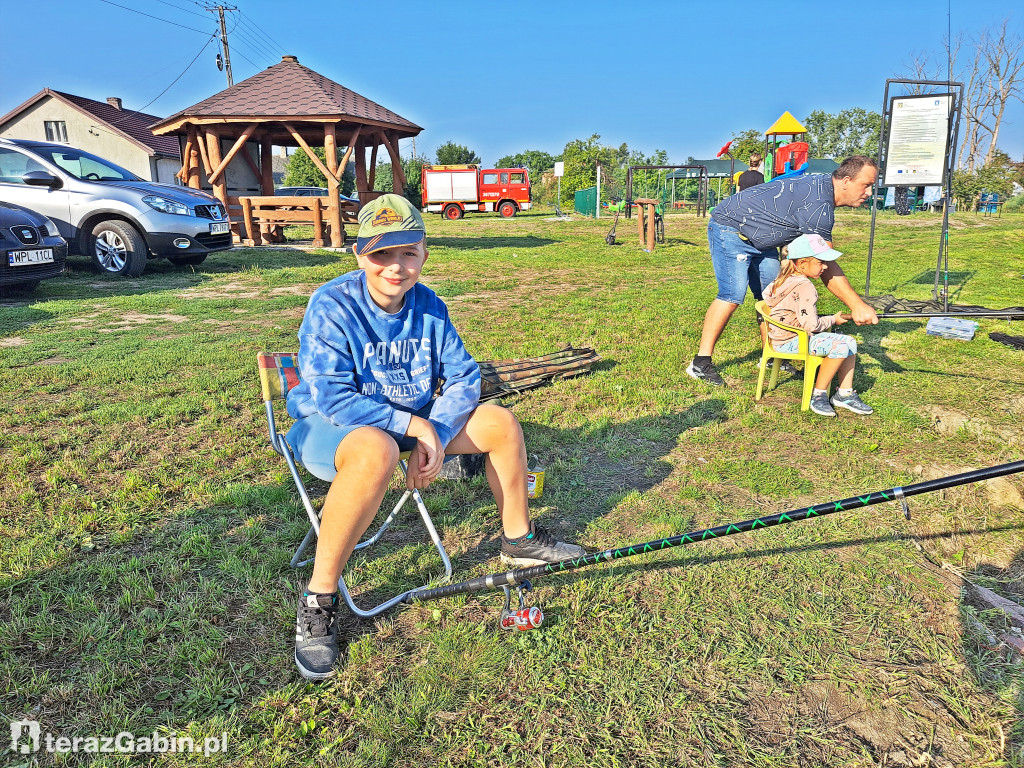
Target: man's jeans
738, 264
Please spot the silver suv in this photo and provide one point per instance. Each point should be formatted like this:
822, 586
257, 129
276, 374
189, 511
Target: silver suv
108, 213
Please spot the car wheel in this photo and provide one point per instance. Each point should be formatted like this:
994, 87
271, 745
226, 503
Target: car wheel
118, 249
507, 210
453, 212
191, 260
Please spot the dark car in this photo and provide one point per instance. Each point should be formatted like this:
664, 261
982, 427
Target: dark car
30, 248
310, 192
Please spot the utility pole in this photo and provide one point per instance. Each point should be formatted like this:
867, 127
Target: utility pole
413, 147
224, 41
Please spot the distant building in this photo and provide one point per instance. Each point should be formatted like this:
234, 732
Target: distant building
104, 128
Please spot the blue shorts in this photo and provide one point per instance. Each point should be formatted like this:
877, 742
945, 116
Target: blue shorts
314, 440
834, 345
739, 265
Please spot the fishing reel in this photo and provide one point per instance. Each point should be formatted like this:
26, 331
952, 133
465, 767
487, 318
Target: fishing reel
523, 618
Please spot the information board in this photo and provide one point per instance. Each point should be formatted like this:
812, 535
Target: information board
918, 140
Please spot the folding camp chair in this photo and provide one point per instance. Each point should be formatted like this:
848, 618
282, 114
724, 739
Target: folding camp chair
278, 374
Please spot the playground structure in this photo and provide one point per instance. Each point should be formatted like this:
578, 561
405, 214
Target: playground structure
699, 172
785, 152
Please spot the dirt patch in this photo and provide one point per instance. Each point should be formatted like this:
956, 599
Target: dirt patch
231, 290
1000, 492
14, 341
52, 361
950, 421
237, 290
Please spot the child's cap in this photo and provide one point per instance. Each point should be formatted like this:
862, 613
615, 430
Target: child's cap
812, 245
388, 221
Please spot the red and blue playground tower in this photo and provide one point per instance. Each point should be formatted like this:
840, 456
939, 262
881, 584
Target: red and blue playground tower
785, 151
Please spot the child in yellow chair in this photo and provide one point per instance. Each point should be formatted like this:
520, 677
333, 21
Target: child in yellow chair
373, 347
793, 300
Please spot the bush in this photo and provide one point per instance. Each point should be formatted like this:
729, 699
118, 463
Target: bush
1015, 203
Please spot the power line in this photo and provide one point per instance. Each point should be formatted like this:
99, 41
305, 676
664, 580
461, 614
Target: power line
258, 30
254, 45
186, 10
166, 21
239, 52
165, 90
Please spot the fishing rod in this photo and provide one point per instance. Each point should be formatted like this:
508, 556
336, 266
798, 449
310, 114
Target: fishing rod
1009, 314
529, 618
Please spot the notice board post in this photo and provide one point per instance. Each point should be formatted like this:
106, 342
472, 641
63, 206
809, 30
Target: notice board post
916, 147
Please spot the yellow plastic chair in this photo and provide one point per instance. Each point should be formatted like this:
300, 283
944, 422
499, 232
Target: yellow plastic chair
811, 362
278, 375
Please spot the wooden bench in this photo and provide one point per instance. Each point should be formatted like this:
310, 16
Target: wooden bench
265, 217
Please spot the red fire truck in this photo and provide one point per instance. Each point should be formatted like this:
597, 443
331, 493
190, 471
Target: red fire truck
454, 190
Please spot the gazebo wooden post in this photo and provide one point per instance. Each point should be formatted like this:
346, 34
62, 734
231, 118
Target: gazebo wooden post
371, 180
399, 181
333, 191
194, 174
266, 165
361, 185
318, 224
220, 185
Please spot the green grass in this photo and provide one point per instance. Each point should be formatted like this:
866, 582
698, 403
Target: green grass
146, 525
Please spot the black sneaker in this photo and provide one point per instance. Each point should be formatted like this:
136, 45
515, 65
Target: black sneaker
537, 548
707, 373
316, 636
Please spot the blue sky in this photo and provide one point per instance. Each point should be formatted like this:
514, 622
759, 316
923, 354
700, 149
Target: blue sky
503, 77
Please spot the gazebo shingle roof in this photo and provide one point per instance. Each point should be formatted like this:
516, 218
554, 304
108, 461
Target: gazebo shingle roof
288, 89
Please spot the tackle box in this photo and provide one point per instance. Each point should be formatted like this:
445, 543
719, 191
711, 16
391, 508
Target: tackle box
952, 328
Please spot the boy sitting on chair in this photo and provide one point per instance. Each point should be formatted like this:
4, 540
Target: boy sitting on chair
373, 346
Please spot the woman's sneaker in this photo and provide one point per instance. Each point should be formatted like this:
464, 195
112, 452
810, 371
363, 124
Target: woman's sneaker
852, 402
537, 548
820, 405
316, 636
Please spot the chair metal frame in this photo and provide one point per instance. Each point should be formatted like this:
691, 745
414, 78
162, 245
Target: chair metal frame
278, 374
811, 362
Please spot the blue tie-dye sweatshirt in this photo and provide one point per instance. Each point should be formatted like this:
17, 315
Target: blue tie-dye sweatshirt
360, 365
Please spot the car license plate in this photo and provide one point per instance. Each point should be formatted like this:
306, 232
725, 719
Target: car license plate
40, 256
219, 228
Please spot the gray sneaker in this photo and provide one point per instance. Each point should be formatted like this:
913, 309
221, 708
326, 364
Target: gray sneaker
820, 405
316, 636
708, 374
852, 403
537, 548
784, 367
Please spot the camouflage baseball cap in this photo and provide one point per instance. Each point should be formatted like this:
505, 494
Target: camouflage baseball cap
388, 221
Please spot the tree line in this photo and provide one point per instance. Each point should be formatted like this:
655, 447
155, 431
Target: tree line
990, 65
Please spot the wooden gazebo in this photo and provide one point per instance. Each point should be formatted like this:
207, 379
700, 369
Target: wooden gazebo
227, 143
